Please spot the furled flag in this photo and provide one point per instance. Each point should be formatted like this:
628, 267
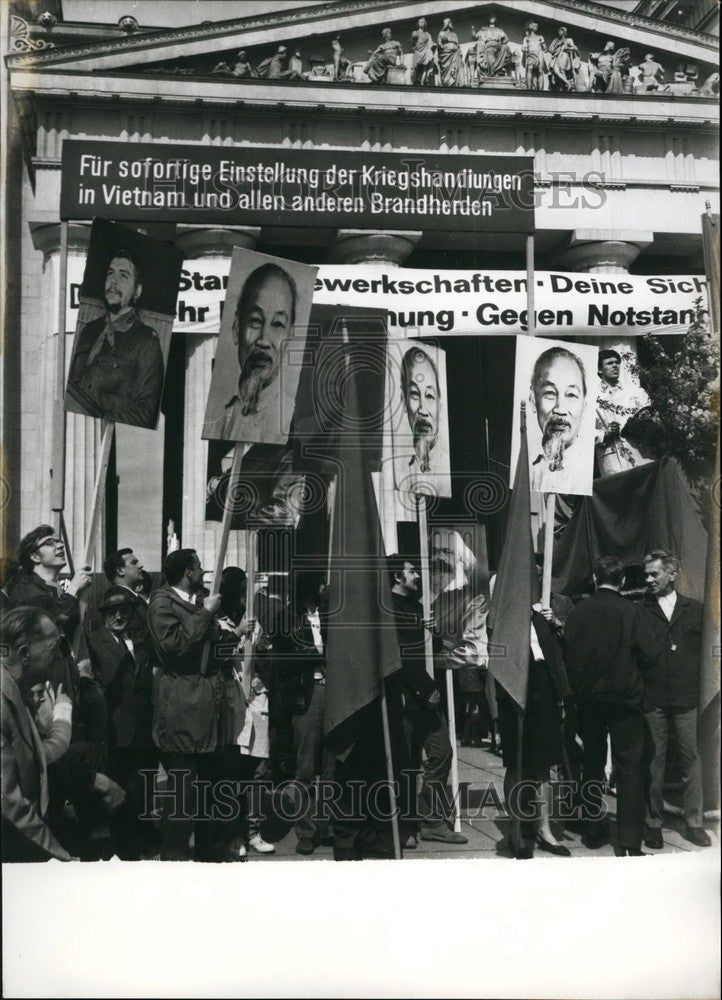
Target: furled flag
515, 589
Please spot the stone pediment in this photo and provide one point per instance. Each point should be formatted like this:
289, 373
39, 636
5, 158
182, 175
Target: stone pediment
341, 44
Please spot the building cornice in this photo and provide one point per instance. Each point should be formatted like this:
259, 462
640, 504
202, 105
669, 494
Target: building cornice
318, 100
136, 44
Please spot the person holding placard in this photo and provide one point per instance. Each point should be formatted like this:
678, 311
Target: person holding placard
190, 698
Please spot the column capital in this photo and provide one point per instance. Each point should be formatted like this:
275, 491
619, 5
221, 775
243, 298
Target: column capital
46, 238
603, 251
200, 241
361, 246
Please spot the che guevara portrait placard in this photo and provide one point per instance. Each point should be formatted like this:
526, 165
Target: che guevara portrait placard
127, 306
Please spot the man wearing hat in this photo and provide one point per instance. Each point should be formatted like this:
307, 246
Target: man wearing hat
123, 669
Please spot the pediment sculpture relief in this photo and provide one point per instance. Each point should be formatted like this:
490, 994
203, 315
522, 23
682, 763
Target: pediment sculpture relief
489, 58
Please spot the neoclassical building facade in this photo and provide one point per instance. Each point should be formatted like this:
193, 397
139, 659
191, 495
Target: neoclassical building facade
625, 162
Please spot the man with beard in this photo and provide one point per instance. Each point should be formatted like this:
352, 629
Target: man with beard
558, 397
420, 388
265, 315
460, 610
117, 368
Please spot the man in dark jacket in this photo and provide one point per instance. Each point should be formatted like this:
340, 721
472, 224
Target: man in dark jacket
607, 645
190, 693
124, 569
41, 555
122, 668
424, 723
673, 688
298, 692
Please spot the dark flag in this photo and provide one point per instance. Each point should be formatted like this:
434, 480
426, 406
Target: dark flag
710, 243
515, 590
362, 646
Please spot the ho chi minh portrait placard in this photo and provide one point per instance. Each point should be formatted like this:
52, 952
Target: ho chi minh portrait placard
260, 349
558, 382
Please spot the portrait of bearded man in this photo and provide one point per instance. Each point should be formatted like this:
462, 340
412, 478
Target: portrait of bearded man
253, 386
422, 437
558, 398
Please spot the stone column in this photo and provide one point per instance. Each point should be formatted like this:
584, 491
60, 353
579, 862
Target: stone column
602, 251
83, 434
358, 246
361, 246
196, 243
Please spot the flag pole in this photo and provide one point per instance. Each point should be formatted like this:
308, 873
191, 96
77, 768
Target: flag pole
530, 332
390, 772
57, 499
251, 541
227, 518
550, 507
429, 655
97, 502
223, 543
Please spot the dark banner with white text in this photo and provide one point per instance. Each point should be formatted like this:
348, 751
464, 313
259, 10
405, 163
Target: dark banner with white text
288, 187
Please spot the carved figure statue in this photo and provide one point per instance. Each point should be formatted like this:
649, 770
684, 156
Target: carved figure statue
452, 72
609, 68
710, 87
388, 54
492, 51
241, 69
651, 75
275, 67
423, 67
564, 62
533, 50
341, 65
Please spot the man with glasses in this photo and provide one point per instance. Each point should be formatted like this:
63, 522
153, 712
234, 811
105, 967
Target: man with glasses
41, 556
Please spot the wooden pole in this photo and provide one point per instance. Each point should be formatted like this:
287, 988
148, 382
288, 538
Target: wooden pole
227, 517
57, 494
96, 506
531, 325
390, 772
223, 544
546, 594
98, 499
331, 510
429, 655
530, 332
251, 539
387, 488
454, 773
425, 579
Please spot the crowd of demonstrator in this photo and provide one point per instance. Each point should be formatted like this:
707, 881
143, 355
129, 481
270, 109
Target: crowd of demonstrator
117, 713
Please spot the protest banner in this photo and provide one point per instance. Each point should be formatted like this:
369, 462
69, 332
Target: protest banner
459, 302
